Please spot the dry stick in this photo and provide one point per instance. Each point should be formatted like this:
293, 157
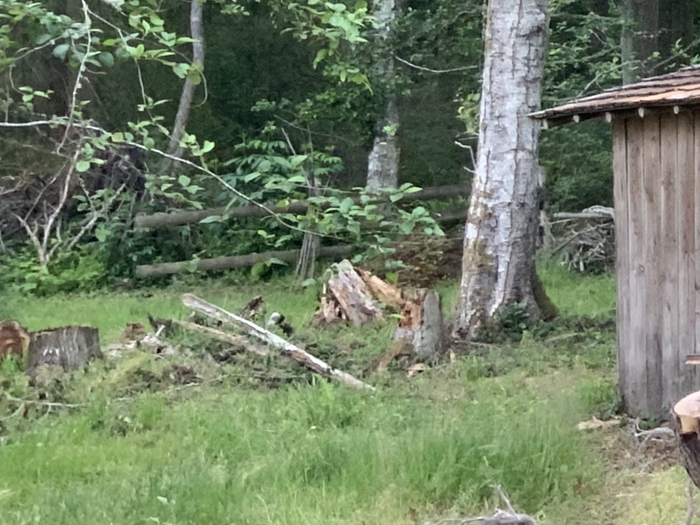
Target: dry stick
314, 363
233, 339
691, 507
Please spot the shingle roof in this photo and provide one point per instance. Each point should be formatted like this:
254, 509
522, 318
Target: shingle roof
673, 89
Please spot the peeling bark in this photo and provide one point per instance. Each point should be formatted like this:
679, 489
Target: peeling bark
383, 161
501, 231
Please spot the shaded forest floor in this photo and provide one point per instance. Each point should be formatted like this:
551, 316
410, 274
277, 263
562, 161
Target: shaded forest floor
194, 439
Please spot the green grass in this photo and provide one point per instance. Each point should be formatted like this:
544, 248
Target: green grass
223, 452
576, 294
299, 455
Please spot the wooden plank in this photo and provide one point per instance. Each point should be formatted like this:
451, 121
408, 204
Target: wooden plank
634, 397
686, 253
622, 255
668, 258
696, 162
652, 286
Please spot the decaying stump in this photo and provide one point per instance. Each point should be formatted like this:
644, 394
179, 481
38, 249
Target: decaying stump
686, 414
345, 296
354, 294
69, 347
421, 324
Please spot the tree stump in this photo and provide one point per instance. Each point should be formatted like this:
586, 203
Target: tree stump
69, 347
686, 414
421, 324
346, 297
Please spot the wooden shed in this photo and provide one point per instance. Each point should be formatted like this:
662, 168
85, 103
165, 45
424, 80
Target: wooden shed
656, 164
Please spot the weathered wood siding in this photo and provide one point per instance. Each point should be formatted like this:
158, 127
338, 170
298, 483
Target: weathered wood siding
657, 226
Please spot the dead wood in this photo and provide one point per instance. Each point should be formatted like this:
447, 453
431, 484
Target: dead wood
235, 261
69, 347
250, 310
421, 324
189, 217
386, 293
298, 354
14, 339
238, 341
346, 297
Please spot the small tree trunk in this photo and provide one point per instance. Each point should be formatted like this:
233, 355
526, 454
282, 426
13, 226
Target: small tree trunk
500, 235
185, 106
69, 347
640, 38
383, 161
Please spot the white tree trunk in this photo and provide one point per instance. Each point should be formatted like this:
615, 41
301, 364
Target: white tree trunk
187, 96
383, 161
498, 264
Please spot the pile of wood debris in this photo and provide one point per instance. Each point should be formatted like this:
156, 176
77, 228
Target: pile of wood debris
350, 295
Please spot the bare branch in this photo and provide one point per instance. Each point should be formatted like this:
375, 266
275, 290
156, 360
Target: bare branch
436, 71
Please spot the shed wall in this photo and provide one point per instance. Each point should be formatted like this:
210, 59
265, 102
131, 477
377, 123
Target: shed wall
657, 226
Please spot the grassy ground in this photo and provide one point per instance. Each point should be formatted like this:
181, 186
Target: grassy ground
240, 451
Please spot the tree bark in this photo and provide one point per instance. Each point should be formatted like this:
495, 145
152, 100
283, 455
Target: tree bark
383, 161
69, 347
501, 230
640, 38
185, 106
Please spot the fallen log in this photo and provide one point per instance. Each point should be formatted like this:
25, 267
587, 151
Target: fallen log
235, 340
180, 218
69, 347
235, 261
298, 354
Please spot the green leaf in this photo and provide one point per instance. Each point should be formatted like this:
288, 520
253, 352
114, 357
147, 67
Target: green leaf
149, 143
184, 180
207, 146
300, 179
106, 58
275, 260
308, 282
346, 205
118, 137
82, 166
61, 51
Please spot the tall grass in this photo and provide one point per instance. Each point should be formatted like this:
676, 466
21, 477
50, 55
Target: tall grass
320, 454
298, 456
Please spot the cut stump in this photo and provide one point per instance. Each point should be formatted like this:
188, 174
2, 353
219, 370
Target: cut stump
69, 347
686, 414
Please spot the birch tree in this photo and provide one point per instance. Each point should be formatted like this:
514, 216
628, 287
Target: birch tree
383, 161
498, 265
